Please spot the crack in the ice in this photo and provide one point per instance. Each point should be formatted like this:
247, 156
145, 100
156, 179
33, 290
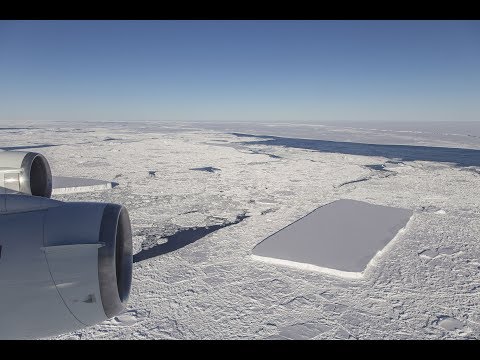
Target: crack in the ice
379, 173
206, 168
355, 181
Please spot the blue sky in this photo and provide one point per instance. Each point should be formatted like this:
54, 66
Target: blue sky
297, 71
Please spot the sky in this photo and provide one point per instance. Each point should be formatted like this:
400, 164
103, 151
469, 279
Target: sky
265, 71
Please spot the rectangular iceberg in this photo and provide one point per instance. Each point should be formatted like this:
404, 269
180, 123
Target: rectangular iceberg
339, 238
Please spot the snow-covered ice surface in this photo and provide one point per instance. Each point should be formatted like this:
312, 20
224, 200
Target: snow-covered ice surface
425, 285
340, 238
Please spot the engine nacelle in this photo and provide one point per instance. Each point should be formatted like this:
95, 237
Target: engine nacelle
63, 266
25, 172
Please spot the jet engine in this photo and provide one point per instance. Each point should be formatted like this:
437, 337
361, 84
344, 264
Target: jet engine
25, 172
63, 266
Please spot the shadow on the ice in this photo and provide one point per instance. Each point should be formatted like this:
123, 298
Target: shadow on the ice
23, 147
182, 238
457, 156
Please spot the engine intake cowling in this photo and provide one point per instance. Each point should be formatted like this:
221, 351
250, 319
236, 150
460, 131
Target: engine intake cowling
63, 266
25, 172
